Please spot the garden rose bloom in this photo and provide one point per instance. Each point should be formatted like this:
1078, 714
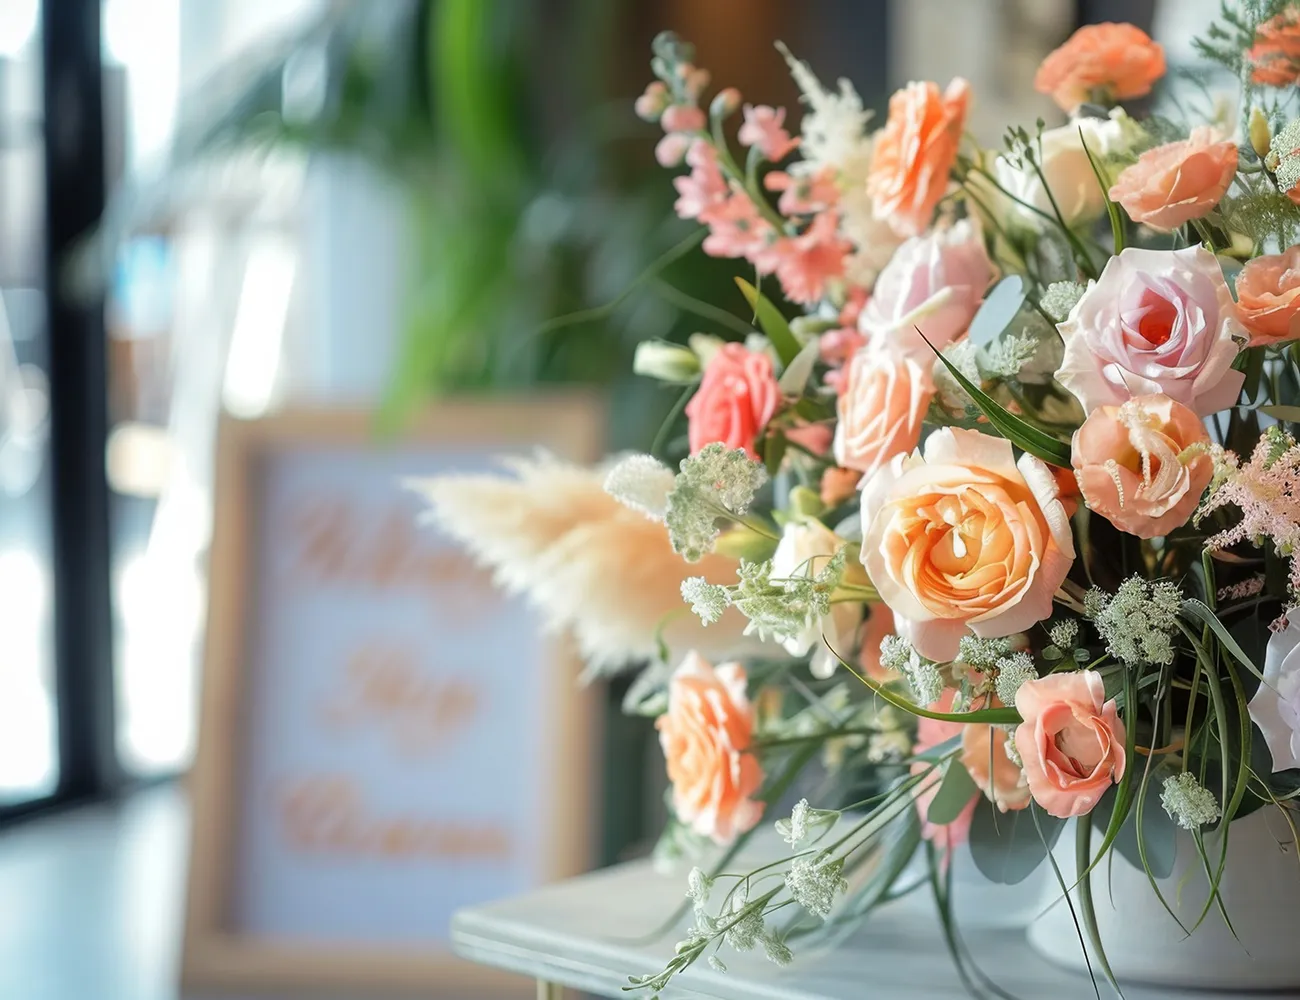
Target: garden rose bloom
1072, 741
1133, 466
983, 747
1268, 297
914, 153
705, 736
1157, 321
804, 549
1066, 168
1178, 181
935, 282
1112, 61
1275, 56
929, 734
1275, 708
885, 399
966, 539
737, 397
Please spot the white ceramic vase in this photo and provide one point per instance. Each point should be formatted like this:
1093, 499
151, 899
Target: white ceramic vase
1260, 890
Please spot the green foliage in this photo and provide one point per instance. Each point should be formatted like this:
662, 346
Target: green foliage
1264, 213
1226, 40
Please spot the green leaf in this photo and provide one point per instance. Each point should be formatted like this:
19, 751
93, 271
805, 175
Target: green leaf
1006, 846
774, 452
1112, 210
954, 794
1088, 912
794, 379
1023, 435
771, 322
998, 310
1289, 414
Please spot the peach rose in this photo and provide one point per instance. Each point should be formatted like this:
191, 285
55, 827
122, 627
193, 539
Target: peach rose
1111, 62
1134, 467
736, 398
984, 748
1178, 181
1072, 741
966, 539
929, 734
1275, 56
880, 411
914, 153
705, 736
1268, 297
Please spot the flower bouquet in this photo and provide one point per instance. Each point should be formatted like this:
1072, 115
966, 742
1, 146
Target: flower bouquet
1002, 529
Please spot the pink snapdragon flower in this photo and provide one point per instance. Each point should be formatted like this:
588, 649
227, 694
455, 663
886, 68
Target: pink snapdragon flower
736, 229
704, 187
805, 263
804, 195
763, 128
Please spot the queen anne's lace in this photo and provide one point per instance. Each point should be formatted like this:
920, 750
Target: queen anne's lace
713, 483
1139, 621
1188, 802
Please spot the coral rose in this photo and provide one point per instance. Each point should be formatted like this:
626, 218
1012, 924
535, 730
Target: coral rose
1111, 62
885, 399
914, 153
934, 283
705, 736
1275, 56
1071, 740
1157, 321
964, 540
984, 755
1179, 181
1268, 297
1135, 468
737, 397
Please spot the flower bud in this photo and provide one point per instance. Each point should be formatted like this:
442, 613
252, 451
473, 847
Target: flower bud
666, 362
651, 104
1260, 136
725, 103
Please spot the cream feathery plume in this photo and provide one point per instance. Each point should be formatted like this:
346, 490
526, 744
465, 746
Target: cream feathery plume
586, 561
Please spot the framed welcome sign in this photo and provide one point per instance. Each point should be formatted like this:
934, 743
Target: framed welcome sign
384, 736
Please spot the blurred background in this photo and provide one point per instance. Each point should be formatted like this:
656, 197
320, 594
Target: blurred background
236, 206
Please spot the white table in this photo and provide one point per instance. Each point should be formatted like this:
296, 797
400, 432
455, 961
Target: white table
584, 934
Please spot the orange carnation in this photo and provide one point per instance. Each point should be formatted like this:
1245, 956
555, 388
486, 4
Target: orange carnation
914, 154
1118, 61
1275, 56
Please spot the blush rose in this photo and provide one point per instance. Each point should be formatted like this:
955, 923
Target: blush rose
736, 398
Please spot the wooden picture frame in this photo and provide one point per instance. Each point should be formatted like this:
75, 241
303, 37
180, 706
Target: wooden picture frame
216, 954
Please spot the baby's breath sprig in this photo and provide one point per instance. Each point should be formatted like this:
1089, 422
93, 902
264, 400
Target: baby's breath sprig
714, 483
1139, 621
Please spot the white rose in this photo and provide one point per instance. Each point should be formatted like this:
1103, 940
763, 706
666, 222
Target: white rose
1275, 709
804, 550
1065, 166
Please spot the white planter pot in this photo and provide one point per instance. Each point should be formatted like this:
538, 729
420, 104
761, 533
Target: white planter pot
1260, 890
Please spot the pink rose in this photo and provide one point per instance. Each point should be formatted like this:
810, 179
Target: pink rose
705, 735
1134, 467
736, 398
1268, 297
885, 399
1179, 181
934, 282
1071, 740
1157, 321
964, 540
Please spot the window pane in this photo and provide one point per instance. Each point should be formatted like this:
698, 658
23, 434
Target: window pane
28, 736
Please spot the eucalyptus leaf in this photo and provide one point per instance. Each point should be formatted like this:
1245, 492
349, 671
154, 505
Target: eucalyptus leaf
795, 377
1159, 832
1006, 846
1000, 307
1290, 414
954, 794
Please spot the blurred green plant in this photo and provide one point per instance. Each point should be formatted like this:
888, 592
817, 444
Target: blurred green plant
531, 194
